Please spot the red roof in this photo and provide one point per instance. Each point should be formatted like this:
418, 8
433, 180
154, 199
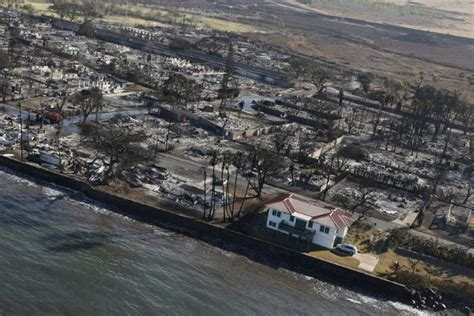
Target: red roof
318, 212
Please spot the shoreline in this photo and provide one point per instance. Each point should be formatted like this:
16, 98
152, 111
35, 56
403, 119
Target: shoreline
257, 250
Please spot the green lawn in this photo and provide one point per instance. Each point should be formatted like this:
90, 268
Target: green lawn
39, 6
225, 26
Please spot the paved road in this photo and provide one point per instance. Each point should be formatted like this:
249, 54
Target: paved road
69, 123
192, 170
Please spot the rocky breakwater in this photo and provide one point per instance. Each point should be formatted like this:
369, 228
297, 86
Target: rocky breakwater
428, 298
432, 299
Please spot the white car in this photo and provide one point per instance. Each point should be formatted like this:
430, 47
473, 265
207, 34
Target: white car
349, 249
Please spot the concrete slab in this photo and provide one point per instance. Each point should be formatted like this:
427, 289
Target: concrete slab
368, 262
407, 221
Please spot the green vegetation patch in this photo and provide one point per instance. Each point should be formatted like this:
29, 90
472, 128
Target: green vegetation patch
139, 15
134, 21
193, 19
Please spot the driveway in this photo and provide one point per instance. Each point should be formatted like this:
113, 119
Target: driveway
367, 261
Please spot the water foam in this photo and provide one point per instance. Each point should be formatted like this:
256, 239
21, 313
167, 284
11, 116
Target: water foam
408, 310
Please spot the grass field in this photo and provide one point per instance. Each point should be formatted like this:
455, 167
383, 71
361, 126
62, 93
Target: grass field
134, 21
225, 26
150, 17
38, 6
191, 18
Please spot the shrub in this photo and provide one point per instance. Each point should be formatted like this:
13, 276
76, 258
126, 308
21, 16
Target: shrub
412, 279
402, 238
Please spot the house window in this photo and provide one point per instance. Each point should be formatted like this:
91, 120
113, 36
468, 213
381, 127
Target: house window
278, 214
272, 224
310, 224
274, 213
324, 229
292, 218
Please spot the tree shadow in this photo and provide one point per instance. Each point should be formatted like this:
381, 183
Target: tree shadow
75, 241
75, 246
84, 240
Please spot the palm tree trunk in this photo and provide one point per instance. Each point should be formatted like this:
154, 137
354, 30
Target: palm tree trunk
205, 195
243, 200
235, 191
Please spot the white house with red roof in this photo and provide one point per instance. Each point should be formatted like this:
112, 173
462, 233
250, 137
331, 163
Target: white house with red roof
316, 222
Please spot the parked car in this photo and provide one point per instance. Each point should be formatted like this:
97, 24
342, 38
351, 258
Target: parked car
349, 249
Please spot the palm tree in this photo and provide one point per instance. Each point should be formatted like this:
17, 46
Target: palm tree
238, 162
214, 155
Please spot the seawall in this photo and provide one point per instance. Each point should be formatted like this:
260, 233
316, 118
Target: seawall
256, 249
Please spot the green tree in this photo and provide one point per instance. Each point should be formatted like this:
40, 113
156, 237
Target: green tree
310, 71
366, 80
86, 28
180, 88
261, 165
88, 100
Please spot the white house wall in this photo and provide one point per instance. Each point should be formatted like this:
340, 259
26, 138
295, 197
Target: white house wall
319, 238
284, 217
342, 232
323, 239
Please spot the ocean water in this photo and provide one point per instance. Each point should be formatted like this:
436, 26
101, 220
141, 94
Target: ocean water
61, 254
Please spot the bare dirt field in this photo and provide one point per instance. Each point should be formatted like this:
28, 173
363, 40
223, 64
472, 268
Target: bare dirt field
357, 57
359, 43
383, 49
442, 16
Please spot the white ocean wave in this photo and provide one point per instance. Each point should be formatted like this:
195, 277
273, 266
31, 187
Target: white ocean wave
88, 205
11, 176
160, 232
366, 299
408, 310
353, 301
48, 189
226, 253
54, 191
